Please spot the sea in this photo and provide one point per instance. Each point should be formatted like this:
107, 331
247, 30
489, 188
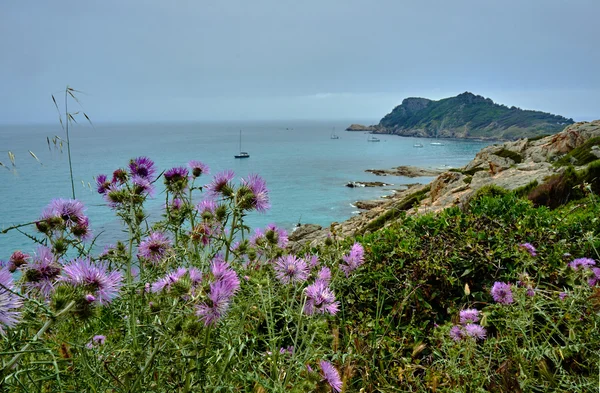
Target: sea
305, 169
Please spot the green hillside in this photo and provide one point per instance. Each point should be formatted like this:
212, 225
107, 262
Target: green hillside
468, 116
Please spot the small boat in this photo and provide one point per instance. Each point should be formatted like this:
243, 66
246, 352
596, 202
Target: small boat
418, 145
242, 154
373, 139
333, 136
437, 144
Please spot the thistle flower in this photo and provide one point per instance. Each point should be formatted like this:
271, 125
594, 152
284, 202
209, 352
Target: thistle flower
89, 298
354, 259
320, 299
530, 292
207, 206
324, 275
143, 167
584, 263
276, 235
595, 277
101, 283
529, 248
260, 194
96, 341
331, 375
219, 299
154, 247
42, 272
562, 295
469, 315
119, 177
142, 186
167, 281
61, 213
176, 179
17, 259
476, 331
198, 168
102, 183
502, 293
9, 302
82, 230
220, 184
457, 333
289, 269
204, 232
311, 260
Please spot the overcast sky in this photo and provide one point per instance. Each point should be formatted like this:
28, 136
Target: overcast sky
165, 60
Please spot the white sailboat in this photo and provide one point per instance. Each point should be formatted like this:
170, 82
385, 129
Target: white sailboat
242, 154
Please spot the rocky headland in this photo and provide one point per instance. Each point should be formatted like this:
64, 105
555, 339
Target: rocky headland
406, 171
509, 165
465, 116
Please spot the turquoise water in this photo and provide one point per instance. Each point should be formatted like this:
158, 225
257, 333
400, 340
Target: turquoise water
305, 170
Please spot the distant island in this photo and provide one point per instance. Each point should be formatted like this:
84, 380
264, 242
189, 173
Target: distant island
465, 116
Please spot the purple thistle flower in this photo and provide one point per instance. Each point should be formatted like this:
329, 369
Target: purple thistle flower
469, 315
154, 247
9, 302
320, 299
289, 269
142, 186
103, 183
89, 298
457, 333
502, 293
82, 230
198, 168
312, 260
529, 248
221, 271
530, 291
167, 281
204, 232
195, 276
219, 298
562, 295
18, 259
287, 351
207, 206
595, 277
324, 275
120, 177
475, 331
582, 262
354, 259
103, 284
331, 375
42, 272
143, 167
278, 234
176, 179
70, 210
257, 238
220, 183
96, 341
260, 193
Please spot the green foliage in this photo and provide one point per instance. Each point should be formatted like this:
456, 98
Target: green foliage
581, 155
505, 153
398, 209
481, 116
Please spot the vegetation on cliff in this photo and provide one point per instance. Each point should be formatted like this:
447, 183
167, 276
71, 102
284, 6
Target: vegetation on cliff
468, 116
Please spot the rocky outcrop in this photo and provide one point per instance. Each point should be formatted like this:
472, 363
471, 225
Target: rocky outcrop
510, 165
354, 184
360, 127
406, 171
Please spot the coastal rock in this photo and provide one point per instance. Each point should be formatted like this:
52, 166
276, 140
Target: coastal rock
354, 184
368, 205
406, 171
510, 165
360, 127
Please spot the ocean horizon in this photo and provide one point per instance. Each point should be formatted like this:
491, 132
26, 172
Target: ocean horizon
305, 169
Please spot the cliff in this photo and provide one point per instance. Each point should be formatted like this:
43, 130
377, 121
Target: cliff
510, 165
467, 116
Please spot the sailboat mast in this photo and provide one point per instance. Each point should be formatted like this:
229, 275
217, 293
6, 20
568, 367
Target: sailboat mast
240, 141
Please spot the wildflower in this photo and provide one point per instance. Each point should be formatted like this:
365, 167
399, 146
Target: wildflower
289, 269
60, 214
119, 177
204, 232
469, 315
529, 248
96, 341
595, 277
154, 247
320, 299
221, 271
103, 183
259, 199
277, 236
354, 259
166, 282
142, 186
143, 167
311, 260
476, 331
457, 333
582, 262
324, 275
9, 302
176, 179
289, 350
562, 295
331, 375
89, 298
17, 259
42, 272
530, 292
207, 206
220, 184
102, 284
198, 168
502, 293
220, 295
